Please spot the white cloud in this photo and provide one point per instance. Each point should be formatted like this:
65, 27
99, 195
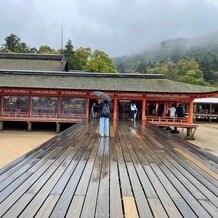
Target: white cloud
116, 26
214, 2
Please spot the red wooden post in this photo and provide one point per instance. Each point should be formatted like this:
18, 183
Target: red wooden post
58, 107
1, 102
168, 106
156, 107
144, 109
30, 108
87, 107
191, 109
115, 108
165, 108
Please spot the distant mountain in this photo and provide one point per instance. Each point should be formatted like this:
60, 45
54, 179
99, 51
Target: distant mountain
170, 50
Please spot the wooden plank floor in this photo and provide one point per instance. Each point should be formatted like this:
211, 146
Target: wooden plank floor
139, 171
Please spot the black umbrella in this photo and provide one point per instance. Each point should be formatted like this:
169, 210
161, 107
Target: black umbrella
102, 95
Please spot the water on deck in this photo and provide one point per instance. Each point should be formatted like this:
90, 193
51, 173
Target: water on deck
139, 171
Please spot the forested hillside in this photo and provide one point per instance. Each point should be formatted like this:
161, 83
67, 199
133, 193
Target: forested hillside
188, 60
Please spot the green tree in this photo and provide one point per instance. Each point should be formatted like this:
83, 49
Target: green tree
68, 51
70, 56
100, 62
76, 58
45, 49
169, 69
208, 63
82, 55
14, 44
185, 71
33, 50
184, 66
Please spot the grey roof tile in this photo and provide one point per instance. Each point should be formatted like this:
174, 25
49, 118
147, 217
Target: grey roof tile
109, 82
37, 62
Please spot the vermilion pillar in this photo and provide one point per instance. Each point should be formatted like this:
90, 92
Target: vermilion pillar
1, 105
30, 106
144, 109
87, 108
58, 107
156, 107
115, 108
191, 110
165, 109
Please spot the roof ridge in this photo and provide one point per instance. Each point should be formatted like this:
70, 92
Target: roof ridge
31, 56
84, 74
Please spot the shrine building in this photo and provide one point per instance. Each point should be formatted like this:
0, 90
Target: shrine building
39, 88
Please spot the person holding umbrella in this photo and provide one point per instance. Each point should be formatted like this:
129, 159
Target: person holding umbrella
104, 108
104, 118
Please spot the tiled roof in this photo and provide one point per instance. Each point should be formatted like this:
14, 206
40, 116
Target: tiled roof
33, 62
95, 81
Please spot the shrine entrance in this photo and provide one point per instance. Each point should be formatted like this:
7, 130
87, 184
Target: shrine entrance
124, 109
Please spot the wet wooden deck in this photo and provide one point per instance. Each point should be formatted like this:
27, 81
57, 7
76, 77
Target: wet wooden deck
139, 171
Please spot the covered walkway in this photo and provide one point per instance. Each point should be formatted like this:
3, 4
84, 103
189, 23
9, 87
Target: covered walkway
139, 171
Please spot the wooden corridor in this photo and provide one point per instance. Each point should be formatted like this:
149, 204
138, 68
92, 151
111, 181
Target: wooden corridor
139, 171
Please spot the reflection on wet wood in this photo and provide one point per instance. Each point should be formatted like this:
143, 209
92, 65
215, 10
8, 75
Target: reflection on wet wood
139, 171
198, 163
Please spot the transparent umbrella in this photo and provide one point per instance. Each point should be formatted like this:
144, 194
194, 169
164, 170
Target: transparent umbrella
102, 95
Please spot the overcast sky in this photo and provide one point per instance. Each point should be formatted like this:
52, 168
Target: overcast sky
117, 27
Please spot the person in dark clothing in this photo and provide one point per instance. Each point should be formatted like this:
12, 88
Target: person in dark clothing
179, 111
160, 110
93, 111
